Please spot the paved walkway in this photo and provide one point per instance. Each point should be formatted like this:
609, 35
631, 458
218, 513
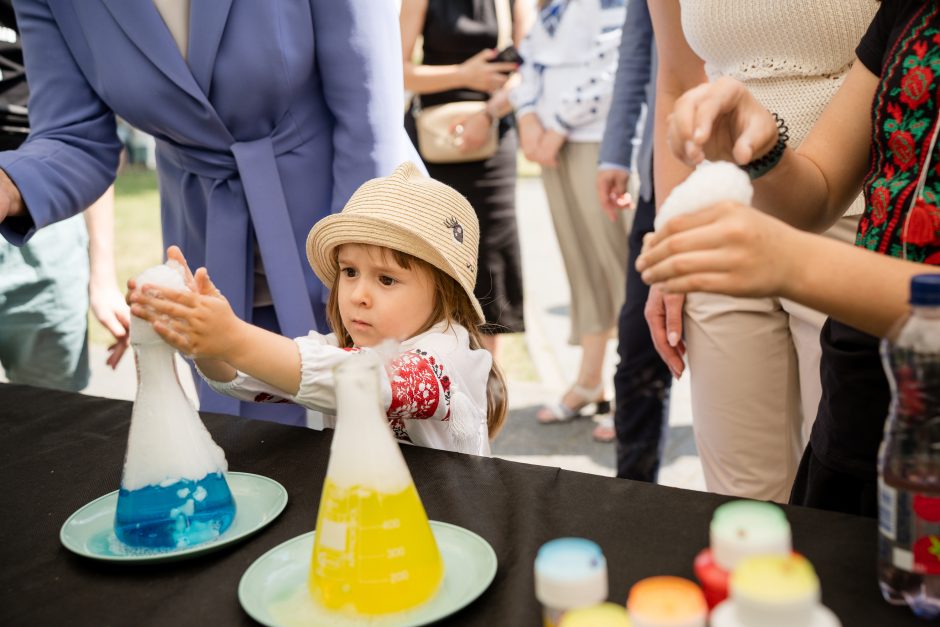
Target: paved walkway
567, 445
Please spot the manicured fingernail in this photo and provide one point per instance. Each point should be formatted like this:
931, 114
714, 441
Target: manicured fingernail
673, 338
690, 148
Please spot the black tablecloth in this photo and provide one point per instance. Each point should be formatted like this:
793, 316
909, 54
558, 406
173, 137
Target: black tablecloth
59, 451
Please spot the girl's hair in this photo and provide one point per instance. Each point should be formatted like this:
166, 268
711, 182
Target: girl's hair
451, 304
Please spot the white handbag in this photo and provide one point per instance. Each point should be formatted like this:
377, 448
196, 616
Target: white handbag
437, 141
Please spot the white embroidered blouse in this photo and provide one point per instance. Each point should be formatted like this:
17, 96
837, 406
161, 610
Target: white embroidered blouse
569, 61
434, 391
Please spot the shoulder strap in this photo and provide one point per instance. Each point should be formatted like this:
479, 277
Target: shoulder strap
503, 24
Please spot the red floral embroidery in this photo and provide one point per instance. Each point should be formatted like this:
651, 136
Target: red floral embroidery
901, 144
915, 85
922, 224
904, 115
398, 428
417, 382
880, 202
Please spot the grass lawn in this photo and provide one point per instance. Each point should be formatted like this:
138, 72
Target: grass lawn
138, 244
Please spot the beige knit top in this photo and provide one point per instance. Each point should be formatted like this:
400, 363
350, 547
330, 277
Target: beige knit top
792, 54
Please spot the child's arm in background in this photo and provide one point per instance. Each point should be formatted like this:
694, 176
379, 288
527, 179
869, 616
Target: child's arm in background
201, 324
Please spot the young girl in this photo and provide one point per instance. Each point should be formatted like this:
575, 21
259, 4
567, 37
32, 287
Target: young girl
401, 262
879, 135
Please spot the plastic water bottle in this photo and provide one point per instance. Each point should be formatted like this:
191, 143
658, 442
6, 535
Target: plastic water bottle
909, 459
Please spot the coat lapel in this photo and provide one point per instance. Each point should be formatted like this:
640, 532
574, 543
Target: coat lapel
206, 24
143, 25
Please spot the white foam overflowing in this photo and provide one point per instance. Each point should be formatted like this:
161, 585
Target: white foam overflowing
709, 184
167, 440
364, 452
169, 274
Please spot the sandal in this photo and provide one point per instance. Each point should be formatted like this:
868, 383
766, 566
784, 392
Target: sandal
559, 412
604, 431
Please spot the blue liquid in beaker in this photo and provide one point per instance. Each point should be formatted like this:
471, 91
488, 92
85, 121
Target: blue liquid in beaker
178, 515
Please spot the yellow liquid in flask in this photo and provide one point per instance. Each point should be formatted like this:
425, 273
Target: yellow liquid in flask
373, 552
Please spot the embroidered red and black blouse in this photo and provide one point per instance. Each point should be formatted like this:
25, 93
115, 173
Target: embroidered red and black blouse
904, 116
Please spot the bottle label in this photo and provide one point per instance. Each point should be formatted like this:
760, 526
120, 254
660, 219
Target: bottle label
910, 522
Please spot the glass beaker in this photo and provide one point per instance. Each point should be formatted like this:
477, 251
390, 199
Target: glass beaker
374, 552
173, 489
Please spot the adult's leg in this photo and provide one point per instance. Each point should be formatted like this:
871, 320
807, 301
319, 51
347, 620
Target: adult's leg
642, 380
746, 406
594, 252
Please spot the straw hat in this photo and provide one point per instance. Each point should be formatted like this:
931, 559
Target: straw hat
408, 212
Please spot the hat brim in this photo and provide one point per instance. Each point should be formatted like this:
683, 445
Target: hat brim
344, 228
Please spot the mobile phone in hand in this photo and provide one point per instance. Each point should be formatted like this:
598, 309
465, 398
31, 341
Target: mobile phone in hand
509, 54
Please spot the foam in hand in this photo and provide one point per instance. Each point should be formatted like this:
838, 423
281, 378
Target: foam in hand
712, 182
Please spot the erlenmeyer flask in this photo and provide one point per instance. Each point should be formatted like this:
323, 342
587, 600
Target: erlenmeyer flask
373, 552
173, 491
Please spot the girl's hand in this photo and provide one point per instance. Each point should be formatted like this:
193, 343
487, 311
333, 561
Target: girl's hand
530, 133
481, 75
725, 249
720, 121
472, 132
199, 324
546, 154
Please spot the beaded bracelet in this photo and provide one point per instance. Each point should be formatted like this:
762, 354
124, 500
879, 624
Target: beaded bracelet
762, 165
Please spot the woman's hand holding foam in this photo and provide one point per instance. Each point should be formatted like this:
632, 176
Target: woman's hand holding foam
720, 121
728, 248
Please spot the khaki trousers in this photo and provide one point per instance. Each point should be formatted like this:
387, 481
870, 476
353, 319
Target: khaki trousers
754, 366
593, 248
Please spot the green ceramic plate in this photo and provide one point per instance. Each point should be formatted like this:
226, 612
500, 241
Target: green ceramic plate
90, 530
274, 588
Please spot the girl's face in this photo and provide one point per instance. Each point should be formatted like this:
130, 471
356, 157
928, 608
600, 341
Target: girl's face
378, 299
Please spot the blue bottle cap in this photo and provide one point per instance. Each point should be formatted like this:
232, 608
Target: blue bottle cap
570, 572
925, 290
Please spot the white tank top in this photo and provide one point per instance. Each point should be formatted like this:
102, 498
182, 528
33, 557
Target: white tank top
792, 54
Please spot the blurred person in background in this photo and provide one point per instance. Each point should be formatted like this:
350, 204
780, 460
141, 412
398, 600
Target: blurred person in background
642, 380
48, 284
569, 60
459, 64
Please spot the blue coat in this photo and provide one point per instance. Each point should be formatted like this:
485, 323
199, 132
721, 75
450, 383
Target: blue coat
283, 109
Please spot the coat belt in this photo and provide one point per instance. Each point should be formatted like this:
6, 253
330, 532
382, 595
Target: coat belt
252, 166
